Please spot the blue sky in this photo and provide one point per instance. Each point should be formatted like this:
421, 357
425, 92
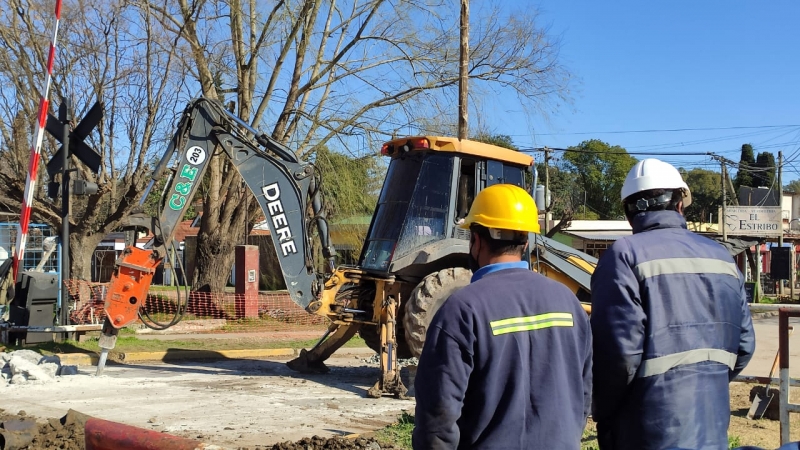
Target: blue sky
672, 65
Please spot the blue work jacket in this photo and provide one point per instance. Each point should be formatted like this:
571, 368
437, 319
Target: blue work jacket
506, 365
671, 328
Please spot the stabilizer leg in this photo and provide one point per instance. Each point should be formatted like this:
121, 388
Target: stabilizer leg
389, 382
313, 361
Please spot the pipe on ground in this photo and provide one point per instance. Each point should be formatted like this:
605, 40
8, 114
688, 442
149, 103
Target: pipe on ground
106, 435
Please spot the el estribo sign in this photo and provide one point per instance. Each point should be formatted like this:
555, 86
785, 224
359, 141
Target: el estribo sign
752, 220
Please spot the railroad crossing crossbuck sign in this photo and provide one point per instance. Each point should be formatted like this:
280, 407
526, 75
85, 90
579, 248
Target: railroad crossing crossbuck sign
76, 145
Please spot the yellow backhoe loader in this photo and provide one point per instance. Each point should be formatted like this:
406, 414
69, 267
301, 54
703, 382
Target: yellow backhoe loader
414, 256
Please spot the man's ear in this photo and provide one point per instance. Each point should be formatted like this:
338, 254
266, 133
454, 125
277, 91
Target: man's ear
679, 207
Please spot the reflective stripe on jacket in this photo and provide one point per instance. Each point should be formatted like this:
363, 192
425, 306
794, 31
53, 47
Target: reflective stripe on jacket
671, 327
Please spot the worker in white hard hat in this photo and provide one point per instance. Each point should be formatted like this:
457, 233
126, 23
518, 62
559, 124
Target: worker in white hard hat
671, 324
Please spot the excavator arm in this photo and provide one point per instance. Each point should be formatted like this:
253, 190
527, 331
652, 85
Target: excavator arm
286, 188
564, 264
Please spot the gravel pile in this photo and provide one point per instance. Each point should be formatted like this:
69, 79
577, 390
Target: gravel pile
29, 367
376, 360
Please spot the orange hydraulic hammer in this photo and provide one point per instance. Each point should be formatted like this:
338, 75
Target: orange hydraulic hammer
129, 285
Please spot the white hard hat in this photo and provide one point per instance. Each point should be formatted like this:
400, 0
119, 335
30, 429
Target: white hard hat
654, 174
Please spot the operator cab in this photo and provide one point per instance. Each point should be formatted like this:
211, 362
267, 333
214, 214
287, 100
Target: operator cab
430, 185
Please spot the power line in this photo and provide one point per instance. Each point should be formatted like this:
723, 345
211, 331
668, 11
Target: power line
577, 150
666, 130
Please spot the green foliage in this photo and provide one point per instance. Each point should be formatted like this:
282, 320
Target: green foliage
793, 187
350, 188
350, 185
567, 196
600, 171
589, 438
706, 189
398, 434
585, 214
500, 140
734, 442
271, 282
743, 175
765, 176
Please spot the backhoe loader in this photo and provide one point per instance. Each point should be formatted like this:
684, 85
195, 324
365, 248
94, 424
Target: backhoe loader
414, 256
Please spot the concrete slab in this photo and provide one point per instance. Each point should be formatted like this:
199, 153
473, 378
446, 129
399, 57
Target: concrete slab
232, 403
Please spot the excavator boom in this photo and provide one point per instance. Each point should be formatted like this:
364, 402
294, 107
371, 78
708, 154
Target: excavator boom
284, 187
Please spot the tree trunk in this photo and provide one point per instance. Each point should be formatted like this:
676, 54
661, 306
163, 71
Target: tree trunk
566, 220
81, 253
215, 256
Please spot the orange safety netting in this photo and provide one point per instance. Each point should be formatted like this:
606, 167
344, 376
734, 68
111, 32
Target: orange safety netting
266, 311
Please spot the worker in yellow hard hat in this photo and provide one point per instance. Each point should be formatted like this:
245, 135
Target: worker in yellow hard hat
507, 359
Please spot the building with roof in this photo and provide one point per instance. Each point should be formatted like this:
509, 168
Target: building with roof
593, 237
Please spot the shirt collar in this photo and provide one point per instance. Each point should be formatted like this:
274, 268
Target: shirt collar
485, 270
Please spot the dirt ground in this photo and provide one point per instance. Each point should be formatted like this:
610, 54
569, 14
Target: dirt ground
61, 433
762, 433
253, 404
261, 404
21, 432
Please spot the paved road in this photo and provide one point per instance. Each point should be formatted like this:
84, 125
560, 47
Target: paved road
767, 347
766, 343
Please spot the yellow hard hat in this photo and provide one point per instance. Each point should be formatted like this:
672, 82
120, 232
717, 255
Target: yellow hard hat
504, 207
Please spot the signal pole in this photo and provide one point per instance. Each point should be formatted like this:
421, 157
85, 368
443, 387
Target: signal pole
63, 316
71, 145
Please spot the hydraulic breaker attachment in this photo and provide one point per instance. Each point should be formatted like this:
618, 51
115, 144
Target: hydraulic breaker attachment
127, 290
313, 361
389, 382
107, 342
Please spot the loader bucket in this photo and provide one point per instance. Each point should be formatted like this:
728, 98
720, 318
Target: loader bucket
106, 435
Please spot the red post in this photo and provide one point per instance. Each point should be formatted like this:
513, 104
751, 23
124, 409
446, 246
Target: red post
106, 435
246, 275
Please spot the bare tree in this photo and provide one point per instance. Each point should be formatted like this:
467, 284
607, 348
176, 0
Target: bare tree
342, 74
108, 51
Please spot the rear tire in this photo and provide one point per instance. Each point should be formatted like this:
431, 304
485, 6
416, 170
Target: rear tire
426, 299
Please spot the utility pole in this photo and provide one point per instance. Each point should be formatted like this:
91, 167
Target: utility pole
463, 71
780, 207
724, 200
546, 190
780, 194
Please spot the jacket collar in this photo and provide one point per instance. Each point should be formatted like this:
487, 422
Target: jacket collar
653, 220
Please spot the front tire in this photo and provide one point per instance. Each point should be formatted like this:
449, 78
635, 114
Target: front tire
426, 299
